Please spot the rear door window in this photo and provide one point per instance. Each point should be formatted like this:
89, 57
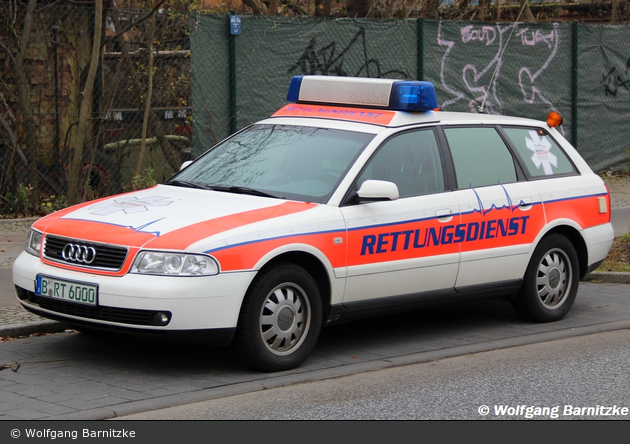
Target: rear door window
480, 157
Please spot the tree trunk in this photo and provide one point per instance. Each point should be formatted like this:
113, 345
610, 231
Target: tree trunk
147, 104
483, 5
257, 6
359, 8
86, 105
172, 158
527, 13
24, 94
431, 9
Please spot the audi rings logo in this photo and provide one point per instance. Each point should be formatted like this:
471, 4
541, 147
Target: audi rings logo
78, 253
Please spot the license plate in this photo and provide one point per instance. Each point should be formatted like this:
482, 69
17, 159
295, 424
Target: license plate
69, 291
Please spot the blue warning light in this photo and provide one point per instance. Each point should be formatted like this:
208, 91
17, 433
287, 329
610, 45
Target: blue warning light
396, 95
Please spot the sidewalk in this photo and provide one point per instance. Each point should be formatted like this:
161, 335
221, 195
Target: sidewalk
16, 321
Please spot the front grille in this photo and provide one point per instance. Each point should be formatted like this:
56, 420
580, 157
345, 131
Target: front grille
107, 257
100, 313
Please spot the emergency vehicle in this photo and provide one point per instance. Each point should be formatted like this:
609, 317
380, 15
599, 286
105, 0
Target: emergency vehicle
355, 199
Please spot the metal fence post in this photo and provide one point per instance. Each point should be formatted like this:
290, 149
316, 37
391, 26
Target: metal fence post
232, 61
574, 85
420, 44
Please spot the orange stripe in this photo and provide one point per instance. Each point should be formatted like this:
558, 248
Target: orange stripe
42, 223
245, 257
122, 272
379, 117
177, 239
584, 211
101, 232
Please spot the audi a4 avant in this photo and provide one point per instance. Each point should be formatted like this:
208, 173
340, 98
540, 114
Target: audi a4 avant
355, 199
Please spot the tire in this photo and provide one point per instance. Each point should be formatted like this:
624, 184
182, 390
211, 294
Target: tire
99, 172
280, 319
551, 281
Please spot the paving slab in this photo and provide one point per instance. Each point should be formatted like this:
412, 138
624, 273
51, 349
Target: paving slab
72, 376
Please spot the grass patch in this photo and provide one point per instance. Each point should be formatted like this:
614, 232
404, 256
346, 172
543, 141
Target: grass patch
619, 257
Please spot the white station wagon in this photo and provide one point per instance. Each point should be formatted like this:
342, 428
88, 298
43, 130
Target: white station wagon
356, 199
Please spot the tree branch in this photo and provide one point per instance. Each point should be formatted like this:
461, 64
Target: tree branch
132, 24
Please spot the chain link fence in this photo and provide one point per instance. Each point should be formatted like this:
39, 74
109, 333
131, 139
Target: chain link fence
129, 112
164, 86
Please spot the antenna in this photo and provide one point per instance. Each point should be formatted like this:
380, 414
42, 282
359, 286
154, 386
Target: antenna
483, 102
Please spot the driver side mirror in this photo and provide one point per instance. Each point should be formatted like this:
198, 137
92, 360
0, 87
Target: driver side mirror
375, 190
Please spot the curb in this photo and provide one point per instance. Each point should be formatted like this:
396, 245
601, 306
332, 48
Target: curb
29, 328
23, 223
612, 277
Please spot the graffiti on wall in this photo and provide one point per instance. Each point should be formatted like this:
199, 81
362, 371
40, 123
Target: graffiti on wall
477, 81
334, 60
613, 81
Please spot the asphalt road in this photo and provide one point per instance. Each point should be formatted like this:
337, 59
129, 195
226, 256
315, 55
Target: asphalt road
72, 376
551, 380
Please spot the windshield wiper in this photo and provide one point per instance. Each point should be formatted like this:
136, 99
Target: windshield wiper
187, 184
224, 188
242, 190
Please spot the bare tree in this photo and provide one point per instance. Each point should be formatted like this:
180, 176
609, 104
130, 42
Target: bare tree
527, 12
86, 104
16, 52
147, 103
359, 8
257, 6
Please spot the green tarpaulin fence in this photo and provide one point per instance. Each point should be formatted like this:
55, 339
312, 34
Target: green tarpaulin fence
582, 71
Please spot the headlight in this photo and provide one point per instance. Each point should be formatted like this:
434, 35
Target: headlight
33, 242
174, 264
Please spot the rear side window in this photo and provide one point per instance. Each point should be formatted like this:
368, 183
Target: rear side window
480, 157
540, 153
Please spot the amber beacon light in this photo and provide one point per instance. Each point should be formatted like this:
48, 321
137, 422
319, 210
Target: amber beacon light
554, 119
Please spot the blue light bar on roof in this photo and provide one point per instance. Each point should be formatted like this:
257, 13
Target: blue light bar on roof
398, 95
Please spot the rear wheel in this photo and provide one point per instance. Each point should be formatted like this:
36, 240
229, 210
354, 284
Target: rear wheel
551, 281
280, 319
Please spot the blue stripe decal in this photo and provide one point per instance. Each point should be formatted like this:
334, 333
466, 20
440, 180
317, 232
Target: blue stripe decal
314, 233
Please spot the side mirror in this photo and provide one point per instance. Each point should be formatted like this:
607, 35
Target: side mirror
378, 190
185, 164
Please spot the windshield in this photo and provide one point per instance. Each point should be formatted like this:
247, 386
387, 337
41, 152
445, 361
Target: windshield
288, 162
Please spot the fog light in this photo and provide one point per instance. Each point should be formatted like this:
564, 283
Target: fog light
161, 318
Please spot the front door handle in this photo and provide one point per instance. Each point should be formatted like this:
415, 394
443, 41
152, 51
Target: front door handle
445, 215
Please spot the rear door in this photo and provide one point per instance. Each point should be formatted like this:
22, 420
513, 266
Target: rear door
501, 212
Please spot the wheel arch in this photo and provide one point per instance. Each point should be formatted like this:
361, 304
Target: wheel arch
314, 266
578, 242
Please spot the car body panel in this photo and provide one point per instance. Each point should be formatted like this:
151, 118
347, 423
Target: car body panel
458, 243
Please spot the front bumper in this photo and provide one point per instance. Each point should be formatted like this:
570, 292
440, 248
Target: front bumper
127, 303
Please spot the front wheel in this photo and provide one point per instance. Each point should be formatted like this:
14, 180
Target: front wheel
280, 319
551, 281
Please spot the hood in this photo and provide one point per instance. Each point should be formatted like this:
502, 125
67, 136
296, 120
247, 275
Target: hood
164, 216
